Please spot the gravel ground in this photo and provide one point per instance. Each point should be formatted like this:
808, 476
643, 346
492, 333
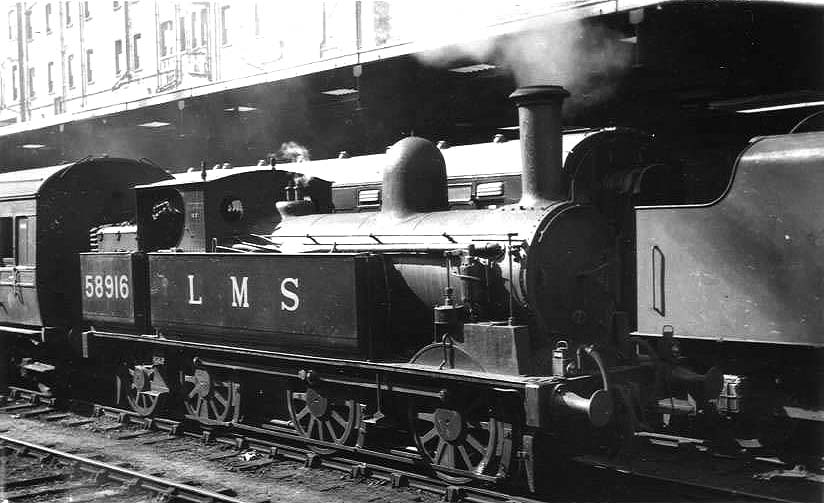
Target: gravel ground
185, 460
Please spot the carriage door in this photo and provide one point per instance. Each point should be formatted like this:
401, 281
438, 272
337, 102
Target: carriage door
17, 274
25, 240
6, 242
8, 271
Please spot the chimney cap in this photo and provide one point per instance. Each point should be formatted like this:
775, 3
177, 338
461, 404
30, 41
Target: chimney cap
527, 95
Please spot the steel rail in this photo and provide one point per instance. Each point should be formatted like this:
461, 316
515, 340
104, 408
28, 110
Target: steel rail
99, 469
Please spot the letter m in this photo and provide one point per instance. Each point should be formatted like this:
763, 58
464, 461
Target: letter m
240, 297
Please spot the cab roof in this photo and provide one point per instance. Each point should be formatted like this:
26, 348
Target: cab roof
27, 182
192, 179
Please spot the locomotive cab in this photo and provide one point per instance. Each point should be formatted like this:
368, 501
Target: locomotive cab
197, 212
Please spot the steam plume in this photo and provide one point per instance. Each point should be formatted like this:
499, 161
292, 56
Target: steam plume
587, 60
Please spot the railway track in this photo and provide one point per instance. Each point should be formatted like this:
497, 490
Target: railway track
57, 473
270, 445
251, 448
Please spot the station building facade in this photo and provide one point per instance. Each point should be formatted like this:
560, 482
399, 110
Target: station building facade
186, 81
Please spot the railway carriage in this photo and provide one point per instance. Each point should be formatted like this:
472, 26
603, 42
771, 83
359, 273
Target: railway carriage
46, 215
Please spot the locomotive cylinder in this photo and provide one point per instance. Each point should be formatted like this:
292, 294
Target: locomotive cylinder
539, 116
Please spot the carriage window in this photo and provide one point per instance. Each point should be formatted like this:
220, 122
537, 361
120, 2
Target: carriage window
490, 189
6, 241
460, 193
25, 255
369, 197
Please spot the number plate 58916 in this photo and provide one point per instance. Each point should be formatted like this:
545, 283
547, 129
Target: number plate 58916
110, 286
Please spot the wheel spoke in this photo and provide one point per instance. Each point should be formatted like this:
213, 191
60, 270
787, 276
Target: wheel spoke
339, 419
224, 400
465, 456
300, 415
449, 457
429, 436
429, 417
311, 430
476, 424
299, 396
215, 411
475, 444
344, 409
329, 427
439, 451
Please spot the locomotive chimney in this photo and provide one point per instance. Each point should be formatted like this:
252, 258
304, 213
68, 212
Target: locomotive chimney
539, 118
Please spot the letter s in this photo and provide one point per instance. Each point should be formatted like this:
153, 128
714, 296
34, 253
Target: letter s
293, 296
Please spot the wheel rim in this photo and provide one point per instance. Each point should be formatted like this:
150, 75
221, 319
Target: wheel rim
456, 438
211, 400
318, 416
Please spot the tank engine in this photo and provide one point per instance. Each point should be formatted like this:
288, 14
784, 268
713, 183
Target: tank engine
446, 314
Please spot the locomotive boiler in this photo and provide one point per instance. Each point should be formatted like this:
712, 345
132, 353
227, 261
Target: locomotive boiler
546, 262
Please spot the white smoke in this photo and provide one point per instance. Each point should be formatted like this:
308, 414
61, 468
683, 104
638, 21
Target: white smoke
587, 60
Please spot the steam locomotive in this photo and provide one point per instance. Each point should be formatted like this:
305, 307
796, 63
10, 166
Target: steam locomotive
477, 318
